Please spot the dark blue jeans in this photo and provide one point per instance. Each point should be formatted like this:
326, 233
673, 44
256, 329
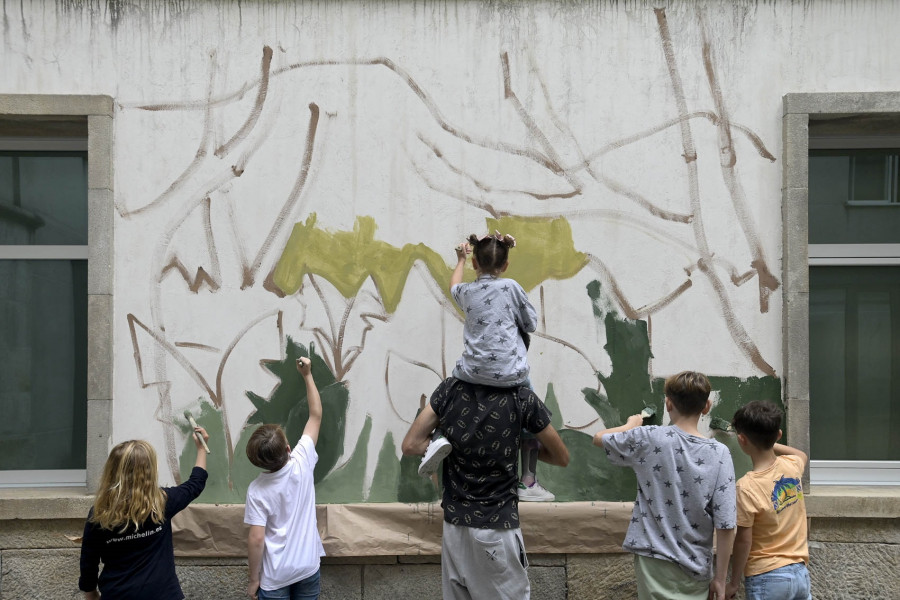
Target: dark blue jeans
305, 589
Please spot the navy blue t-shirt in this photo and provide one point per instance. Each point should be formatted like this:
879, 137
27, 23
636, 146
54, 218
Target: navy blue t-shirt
137, 564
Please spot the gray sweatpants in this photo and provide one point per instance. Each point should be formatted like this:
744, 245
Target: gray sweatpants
487, 564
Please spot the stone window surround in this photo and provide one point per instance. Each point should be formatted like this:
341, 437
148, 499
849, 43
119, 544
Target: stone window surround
799, 110
98, 110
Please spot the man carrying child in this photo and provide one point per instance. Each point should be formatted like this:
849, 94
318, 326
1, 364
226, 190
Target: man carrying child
482, 552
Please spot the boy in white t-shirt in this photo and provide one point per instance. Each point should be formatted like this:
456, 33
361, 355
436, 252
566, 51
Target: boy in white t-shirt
283, 547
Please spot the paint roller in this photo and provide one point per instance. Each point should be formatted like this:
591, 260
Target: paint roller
197, 434
720, 424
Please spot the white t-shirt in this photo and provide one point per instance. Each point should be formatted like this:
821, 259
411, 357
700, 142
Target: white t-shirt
284, 502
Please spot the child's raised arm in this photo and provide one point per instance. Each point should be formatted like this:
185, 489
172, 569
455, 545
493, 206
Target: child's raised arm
304, 365
783, 450
461, 252
632, 422
201, 451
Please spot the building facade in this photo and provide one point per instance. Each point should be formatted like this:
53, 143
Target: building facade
193, 194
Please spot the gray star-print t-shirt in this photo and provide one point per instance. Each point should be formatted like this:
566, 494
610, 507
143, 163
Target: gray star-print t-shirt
494, 352
686, 489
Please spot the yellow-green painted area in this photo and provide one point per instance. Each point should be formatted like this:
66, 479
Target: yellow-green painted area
348, 258
544, 250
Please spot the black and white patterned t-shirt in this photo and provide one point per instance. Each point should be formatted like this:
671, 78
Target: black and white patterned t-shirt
484, 425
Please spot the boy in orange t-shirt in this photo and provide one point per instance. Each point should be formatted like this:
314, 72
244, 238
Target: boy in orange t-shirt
770, 548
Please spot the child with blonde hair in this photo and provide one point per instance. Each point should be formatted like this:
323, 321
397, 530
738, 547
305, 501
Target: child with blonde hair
129, 528
499, 318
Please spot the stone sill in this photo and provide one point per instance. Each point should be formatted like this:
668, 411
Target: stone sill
37, 504
847, 501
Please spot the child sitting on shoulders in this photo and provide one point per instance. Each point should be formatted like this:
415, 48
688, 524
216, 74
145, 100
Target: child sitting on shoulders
499, 318
770, 549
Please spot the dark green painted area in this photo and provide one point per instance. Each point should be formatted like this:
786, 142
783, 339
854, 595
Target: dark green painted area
387, 473
288, 406
628, 388
412, 488
225, 484
345, 484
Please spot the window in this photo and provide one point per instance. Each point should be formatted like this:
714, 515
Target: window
841, 260
854, 305
54, 127
43, 309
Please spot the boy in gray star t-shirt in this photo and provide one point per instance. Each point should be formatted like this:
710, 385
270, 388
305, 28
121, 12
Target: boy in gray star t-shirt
686, 489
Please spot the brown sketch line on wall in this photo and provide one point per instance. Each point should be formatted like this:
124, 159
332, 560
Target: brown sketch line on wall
735, 328
251, 146
600, 177
429, 103
768, 283
340, 361
216, 396
253, 117
532, 126
290, 203
486, 187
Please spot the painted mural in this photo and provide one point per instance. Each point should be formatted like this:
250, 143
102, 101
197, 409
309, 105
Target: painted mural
310, 207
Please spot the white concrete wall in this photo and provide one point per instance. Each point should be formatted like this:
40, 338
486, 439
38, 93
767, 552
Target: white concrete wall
591, 81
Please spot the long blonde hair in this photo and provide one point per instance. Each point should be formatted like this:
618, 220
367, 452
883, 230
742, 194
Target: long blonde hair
129, 492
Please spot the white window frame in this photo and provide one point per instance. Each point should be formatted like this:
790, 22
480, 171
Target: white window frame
854, 472
44, 477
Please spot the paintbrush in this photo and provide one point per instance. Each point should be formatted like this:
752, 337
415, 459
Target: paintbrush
720, 424
648, 412
197, 434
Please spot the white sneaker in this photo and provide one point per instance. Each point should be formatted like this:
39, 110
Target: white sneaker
436, 452
534, 493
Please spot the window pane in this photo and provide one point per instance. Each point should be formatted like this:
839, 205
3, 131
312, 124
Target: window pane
854, 347
43, 364
7, 183
43, 198
853, 196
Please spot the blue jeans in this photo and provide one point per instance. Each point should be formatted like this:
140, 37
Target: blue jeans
786, 583
305, 589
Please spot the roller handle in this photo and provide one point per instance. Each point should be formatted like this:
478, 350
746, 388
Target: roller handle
194, 425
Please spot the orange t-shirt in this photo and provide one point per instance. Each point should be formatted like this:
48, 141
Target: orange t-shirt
771, 502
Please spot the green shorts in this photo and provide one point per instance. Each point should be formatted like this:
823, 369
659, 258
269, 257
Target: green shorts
664, 580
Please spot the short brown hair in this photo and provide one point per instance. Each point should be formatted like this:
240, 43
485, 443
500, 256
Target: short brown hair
688, 391
267, 448
760, 422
